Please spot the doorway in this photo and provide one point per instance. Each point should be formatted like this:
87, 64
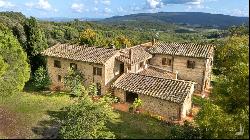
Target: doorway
130, 97
122, 68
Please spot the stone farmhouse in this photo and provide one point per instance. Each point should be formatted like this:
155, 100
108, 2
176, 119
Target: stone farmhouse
163, 75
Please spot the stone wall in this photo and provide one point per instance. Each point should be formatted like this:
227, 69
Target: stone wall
135, 68
186, 107
84, 67
112, 71
120, 94
199, 74
161, 107
156, 60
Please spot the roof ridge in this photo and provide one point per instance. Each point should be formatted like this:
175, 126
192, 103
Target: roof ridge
161, 78
160, 68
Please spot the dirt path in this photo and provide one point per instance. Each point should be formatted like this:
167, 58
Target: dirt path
10, 126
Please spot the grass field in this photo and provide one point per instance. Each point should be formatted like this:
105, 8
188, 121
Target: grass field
21, 116
139, 126
22, 112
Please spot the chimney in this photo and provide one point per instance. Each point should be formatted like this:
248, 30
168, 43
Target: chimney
130, 54
153, 41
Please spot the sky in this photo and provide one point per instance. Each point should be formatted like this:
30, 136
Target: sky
108, 8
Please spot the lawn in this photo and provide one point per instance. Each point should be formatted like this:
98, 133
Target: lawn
21, 113
139, 126
21, 116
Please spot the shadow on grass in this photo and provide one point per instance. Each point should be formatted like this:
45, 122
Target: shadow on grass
138, 126
48, 129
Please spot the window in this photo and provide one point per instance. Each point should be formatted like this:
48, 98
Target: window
129, 68
57, 64
73, 66
190, 64
121, 68
97, 71
169, 62
59, 78
141, 65
164, 60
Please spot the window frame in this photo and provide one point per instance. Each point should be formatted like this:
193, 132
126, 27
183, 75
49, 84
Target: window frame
190, 64
164, 61
141, 65
97, 71
169, 62
57, 64
59, 78
129, 67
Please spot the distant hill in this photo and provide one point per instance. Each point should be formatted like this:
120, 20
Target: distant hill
64, 19
197, 19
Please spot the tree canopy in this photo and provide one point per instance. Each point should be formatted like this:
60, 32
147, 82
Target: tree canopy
14, 68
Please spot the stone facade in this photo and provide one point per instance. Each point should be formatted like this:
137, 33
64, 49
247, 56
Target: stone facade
166, 109
135, 68
199, 74
172, 101
109, 72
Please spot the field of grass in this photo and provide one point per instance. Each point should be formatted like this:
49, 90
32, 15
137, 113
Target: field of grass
21, 116
139, 126
22, 112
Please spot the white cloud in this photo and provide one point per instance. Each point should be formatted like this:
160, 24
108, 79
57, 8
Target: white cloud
42, 5
6, 4
96, 9
96, 1
77, 7
106, 2
193, 2
107, 10
239, 12
120, 9
153, 4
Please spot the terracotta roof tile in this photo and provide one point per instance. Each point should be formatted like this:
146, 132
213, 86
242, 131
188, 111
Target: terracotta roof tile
80, 53
133, 55
166, 89
182, 49
157, 72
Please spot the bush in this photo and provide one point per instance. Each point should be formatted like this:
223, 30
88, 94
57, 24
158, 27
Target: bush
137, 103
87, 119
41, 79
187, 131
73, 79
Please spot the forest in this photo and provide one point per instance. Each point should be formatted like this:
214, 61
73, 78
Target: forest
22, 39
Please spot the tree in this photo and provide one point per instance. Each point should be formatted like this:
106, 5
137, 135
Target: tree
41, 79
187, 131
228, 108
123, 42
88, 37
87, 119
14, 69
73, 79
36, 43
231, 89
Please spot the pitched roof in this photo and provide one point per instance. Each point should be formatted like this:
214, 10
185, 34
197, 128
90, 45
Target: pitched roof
157, 72
181, 49
80, 53
166, 89
133, 55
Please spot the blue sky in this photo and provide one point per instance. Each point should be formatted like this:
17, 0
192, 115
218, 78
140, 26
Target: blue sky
108, 8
